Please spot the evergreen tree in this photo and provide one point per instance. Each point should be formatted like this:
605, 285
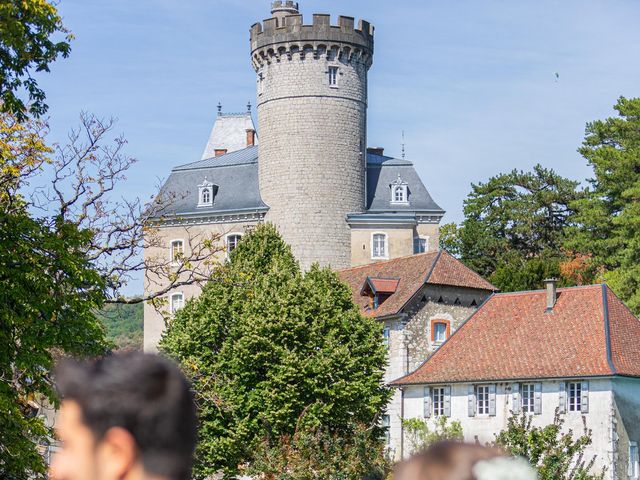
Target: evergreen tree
271, 349
609, 217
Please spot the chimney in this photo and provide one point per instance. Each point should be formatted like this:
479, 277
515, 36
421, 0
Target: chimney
251, 137
220, 151
376, 150
551, 285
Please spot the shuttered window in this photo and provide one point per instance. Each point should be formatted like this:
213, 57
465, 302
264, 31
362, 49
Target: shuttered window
574, 397
482, 400
438, 401
528, 397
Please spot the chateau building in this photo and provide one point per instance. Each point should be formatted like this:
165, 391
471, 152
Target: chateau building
573, 351
306, 167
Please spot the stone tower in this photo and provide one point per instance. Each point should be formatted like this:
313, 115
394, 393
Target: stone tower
312, 116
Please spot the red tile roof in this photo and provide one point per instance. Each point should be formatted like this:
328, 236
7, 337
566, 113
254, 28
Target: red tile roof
436, 268
590, 332
384, 285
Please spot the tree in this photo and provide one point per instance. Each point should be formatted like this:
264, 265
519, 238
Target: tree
31, 38
514, 227
49, 293
266, 345
420, 436
556, 455
608, 218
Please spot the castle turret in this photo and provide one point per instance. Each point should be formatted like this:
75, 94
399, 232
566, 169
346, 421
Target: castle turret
312, 116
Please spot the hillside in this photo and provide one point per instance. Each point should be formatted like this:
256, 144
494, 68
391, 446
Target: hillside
124, 324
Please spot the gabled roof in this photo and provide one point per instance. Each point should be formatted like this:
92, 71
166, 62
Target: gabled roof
413, 272
229, 133
383, 285
589, 333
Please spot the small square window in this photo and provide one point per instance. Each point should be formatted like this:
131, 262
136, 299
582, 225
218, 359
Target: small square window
420, 245
333, 76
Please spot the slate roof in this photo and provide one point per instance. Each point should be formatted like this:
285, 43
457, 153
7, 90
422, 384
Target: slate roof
229, 133
236, 176
382, 171
413, 272
589, 333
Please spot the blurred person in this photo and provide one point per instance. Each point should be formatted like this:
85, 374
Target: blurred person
461, 461
124, 417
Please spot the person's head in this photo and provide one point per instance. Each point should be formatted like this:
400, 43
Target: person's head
124, 417
462, 461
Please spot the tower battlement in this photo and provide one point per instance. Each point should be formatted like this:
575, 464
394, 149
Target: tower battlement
289, 35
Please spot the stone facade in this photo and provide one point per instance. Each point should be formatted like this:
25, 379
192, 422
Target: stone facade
313, 131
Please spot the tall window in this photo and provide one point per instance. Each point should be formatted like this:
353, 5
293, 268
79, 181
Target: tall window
420, 245
633, 460
482, 399
386, 422
177, 302
333, 76
260, 83
177, 250
206, 196
232, 242
439, 332
379, 249
574, 397
438, 401
386, 335
528, 397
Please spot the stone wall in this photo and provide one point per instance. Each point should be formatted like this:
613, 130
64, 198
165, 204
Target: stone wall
312, 142
154, 322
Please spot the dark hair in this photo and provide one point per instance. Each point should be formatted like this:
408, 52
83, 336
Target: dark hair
146, 395
446, 460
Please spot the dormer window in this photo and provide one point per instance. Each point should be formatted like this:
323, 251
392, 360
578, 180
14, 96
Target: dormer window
205, 194
400, 192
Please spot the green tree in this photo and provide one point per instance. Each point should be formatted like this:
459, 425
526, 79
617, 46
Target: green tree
49, 293
557, 455
609, 217
420, 436
514, 227
124, 324
265, 344
31, 38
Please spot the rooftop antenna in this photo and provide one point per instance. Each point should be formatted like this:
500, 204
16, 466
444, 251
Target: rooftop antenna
219, 108
404, 155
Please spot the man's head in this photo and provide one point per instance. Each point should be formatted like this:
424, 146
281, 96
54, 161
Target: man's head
124, 417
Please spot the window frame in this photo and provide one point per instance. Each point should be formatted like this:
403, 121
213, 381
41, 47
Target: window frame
386, 336
385, 422
574, 402
172, 256
447, 330
484, 403
227, 237
438, 401
416, 243
385, 255
172, 307
528, 404
333, 74
634, 461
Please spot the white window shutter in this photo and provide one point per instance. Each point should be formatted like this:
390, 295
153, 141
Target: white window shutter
584, 401
492, 400
515, 396
447, 401
472, 401
562, 398
427, 402
537, 398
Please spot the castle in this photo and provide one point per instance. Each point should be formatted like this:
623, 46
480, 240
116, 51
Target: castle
307, 169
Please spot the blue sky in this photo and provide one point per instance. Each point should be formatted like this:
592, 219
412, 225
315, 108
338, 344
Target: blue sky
472, 82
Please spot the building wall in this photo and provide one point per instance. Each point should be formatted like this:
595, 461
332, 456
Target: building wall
626, 412
399, 241
154, 320
312, 144
484, 428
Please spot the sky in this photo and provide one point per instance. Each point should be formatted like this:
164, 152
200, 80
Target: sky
472, 83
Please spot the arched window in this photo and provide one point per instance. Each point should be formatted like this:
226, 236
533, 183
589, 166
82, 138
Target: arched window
379, 247
233, 240
206, 196
177, 250
177, 302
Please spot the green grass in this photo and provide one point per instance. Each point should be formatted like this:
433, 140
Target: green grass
124, 325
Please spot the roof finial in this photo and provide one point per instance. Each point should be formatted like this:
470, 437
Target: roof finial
403, 146
219, 108
249, 107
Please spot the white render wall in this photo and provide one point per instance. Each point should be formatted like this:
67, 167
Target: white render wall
484, 428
